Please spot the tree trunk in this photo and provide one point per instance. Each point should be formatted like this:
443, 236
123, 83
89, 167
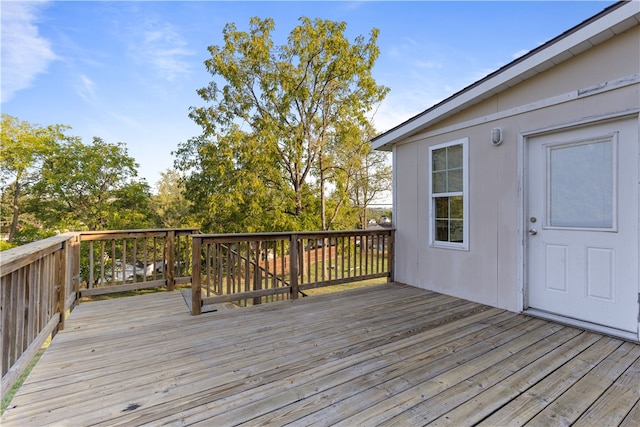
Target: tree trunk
323, 214
16, 212
298, 202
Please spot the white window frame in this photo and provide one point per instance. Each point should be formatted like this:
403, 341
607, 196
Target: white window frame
464, 193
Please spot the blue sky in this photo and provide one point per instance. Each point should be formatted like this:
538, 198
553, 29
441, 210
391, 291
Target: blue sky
128, 71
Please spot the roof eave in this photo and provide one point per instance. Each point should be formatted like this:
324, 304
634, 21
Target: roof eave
601, 27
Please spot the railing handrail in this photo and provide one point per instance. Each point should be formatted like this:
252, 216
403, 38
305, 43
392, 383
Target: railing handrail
15, 258
304, 234
96, 235
139, 230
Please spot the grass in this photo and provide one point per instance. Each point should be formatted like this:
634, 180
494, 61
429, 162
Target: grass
345, 287
246, 302
125, 294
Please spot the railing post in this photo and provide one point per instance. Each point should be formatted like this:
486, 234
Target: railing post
293, 266
63, 277
75, 280
196, 293
390, 256
257, 273
170, 254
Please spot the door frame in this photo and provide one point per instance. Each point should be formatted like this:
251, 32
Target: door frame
522, 303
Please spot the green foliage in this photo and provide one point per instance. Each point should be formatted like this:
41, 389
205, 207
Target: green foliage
53, 182
130, 205
169, 202
92, 187
29, 233
4, 245
267, 128
23, 147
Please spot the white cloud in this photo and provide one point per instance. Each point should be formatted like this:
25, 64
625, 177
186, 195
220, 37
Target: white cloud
126, 120
400, 107
25, 53
86, 88
162, 47
410, 42
427, 64
519, 53
388, 117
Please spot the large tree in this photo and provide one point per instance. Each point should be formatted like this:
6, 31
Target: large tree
271, 122
370, 178
358, 175
94, 187
23, 146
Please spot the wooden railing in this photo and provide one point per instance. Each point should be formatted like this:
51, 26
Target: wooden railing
250, 269
39, 284
44, 280
128, 260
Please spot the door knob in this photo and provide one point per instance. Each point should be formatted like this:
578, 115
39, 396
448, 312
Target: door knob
533, 231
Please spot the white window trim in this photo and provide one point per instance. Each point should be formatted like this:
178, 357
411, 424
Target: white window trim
465, 197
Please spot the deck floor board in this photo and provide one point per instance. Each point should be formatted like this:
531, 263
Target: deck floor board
383, 355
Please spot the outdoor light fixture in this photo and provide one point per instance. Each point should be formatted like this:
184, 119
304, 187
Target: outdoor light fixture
496, 136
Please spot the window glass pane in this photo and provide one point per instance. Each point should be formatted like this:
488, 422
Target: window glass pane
442, 230
455, 231
440, 182
454, 156
456, 207
581, 185
442, 207
454, 181
439, 159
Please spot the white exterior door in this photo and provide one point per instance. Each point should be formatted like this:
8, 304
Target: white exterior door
582, 224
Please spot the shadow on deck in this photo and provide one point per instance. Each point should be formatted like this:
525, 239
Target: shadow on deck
381, 355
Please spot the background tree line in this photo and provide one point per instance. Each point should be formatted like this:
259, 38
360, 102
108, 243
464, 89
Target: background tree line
284, 146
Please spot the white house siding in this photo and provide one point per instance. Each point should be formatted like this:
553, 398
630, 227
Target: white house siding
407, 238
491, 271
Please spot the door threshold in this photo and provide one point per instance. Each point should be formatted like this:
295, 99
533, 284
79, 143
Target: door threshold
605, 330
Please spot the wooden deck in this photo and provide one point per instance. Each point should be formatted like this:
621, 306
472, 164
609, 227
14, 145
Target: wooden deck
385, 355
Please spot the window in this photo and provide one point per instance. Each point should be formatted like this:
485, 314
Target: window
581, 185
448, 201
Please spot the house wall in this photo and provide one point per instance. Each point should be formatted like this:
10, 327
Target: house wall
490, 271
599, 64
